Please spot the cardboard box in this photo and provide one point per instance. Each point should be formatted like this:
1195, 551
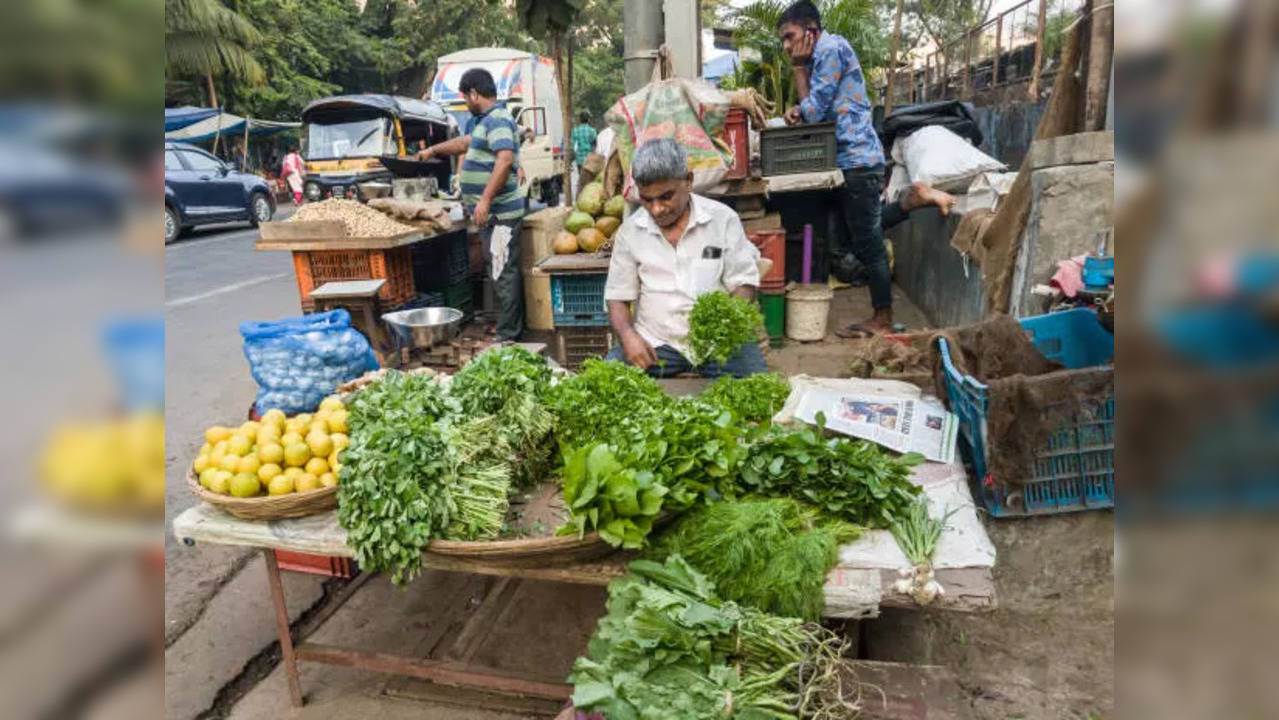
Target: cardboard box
539, 231
537, 301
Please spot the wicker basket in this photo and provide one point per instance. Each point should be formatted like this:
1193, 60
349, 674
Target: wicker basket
271, 507
524, 552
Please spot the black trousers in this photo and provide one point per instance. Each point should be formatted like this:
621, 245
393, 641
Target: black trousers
860, 206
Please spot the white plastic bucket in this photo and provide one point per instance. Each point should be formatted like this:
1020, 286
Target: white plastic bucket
807, 309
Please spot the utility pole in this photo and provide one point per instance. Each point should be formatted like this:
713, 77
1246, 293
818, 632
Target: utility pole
643, 34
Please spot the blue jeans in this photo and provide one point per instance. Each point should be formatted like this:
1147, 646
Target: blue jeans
748, 361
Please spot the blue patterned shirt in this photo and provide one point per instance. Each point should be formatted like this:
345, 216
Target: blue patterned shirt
837, 93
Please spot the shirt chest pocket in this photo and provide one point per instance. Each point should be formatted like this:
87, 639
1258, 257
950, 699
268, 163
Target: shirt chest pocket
708, 269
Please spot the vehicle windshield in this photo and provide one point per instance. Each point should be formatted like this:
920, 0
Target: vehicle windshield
357, 138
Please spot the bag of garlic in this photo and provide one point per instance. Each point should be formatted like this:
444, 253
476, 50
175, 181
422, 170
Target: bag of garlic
298, 361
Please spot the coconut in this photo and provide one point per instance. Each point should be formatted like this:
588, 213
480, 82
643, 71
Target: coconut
590, 239
577, 221
591, 199
607, 225
615, 206
565, 243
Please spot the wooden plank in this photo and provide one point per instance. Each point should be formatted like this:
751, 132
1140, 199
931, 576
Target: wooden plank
346, 289
771, 221
900, 691
574, 263
287, 654
447, 673
967, 590
340, 242
595, 573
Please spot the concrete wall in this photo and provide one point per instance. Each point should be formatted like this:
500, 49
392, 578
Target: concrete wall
1008, 128
932, 273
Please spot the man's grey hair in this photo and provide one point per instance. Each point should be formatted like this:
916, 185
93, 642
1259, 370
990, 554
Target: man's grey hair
657, 160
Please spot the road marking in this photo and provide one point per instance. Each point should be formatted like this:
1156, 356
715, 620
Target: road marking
228, 234
225, 289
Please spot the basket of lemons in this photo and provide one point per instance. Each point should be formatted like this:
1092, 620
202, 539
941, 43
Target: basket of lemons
273, 468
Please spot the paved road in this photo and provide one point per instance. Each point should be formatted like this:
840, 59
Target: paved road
214, 281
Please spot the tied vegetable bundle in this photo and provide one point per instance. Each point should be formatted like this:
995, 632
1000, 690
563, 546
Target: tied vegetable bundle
719, 324
404, 480
755, 398
670, 648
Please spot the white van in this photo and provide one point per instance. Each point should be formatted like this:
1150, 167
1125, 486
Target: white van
527, 83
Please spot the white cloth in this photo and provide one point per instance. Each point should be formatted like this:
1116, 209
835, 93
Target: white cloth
499, 248
665, 281
604, 142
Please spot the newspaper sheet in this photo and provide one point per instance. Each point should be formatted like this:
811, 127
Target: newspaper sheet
891, 414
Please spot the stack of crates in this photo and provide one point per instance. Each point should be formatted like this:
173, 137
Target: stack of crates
580, 315
772, 287
442, 268
314, 268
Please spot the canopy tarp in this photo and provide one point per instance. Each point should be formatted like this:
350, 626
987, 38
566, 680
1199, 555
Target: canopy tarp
719, 66
180, 117
226, 124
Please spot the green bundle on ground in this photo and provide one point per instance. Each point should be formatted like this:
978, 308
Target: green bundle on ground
669, 647
719, 324
769, 554
755, 398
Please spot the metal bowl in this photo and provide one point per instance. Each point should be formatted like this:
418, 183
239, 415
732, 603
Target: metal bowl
424, 328
372, 190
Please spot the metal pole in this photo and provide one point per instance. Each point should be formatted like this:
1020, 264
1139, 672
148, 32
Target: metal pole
1039, 50
643, 34
892, 63
999, 43
968, 48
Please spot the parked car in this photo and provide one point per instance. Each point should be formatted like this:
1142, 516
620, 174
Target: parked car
200, 189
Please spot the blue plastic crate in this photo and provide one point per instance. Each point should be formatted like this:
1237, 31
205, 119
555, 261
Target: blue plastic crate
578, 300
1074, 469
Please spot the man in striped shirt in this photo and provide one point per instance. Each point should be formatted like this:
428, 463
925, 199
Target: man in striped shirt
490, 190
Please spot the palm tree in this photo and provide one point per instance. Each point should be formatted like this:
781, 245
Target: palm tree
204, 37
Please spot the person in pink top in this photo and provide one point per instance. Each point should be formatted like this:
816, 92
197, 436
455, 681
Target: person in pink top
293, 170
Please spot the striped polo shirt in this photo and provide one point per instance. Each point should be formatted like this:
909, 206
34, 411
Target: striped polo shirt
491, 133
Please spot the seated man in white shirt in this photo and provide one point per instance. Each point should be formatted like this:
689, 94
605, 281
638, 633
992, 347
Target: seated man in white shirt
676, 247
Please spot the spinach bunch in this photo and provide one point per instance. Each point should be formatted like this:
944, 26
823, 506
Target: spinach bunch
854, 481
487, 383
669, 647
601, 494
752, 399
719, 324
394, 494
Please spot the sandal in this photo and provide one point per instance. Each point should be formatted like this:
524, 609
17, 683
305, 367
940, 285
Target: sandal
856, 331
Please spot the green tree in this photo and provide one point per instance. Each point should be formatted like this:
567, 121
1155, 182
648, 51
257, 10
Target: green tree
206, 38
598, 70
945, 21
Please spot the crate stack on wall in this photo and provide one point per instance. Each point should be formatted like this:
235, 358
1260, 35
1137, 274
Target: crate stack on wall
442, 273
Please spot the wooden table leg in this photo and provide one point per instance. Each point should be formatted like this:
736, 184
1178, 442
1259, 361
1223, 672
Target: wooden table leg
282, 627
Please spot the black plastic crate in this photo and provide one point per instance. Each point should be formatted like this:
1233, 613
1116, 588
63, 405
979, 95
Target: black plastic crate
797, 149
574, 345
441, 262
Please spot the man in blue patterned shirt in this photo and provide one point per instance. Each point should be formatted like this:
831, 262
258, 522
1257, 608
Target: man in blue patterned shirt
832, 88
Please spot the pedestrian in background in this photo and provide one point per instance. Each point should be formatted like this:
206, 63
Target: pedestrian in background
832, 88
293, 170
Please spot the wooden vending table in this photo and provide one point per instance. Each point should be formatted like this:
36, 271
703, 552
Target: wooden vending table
857, 587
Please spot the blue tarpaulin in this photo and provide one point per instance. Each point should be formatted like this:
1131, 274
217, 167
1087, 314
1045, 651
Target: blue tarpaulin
175, 118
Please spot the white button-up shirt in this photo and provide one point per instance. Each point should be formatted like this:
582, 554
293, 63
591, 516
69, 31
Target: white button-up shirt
664, 280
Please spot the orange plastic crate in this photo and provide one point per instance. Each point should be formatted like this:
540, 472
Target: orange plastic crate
316, 267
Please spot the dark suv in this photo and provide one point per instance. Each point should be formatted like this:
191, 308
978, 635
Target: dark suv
200, 189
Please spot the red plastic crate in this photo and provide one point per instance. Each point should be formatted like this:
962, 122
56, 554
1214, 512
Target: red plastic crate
772, 245
316, 267
339, 567
738, 136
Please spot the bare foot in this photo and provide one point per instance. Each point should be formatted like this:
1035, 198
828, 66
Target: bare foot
922, 195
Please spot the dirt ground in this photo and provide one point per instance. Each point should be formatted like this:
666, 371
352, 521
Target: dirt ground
1045, 652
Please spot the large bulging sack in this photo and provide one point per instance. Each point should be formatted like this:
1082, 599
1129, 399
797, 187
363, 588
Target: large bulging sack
298, 361
690, 111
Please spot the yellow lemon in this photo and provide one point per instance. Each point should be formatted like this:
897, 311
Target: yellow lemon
316, 466
221, 484
318, 426
250, 428
334, 462
271, 453
249, 464
290, 438
245, 485
229, 462
319, 443
205, 449
280, 485
337, 421
201, 464
239, 444
306, 482
217, 433
332, 402
293, 472
297, 454
273, 416
340, 440
328, 479
304, 419
268, 471
207, 476
268, 434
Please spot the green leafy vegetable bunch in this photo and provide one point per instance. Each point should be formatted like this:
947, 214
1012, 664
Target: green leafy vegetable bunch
719, 324
851, 480
755, 398
605, 402
621, 502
